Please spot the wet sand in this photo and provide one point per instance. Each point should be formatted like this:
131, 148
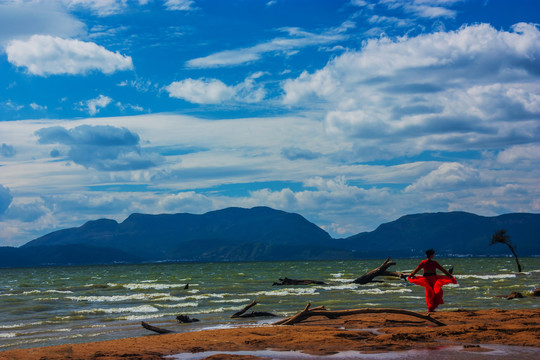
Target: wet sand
465, 330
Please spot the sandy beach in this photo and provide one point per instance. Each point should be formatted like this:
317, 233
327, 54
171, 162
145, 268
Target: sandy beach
367, 333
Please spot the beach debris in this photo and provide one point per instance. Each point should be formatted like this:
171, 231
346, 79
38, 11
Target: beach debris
240, 314
186, 287
185, 319
287, 281
514, 295
380, 271
155, 328
321, 311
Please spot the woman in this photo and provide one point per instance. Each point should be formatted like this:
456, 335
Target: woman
432, 282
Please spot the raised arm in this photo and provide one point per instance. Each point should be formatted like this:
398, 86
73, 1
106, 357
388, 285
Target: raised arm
443, 270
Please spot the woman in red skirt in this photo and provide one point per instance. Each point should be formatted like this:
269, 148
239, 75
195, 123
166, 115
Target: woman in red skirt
432, 282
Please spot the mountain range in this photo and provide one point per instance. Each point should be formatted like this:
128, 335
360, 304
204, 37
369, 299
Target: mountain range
265, 234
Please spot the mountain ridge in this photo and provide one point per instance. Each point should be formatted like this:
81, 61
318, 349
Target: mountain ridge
263, 234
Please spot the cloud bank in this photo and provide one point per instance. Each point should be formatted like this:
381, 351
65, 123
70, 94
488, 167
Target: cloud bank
105, 148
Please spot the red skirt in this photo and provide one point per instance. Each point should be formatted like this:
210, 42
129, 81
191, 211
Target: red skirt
433, 285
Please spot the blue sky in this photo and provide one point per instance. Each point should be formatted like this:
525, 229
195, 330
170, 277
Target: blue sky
351, 113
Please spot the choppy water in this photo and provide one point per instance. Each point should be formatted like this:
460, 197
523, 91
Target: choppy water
57, 305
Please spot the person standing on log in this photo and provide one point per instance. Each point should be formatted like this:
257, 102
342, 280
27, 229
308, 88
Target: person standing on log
432, 282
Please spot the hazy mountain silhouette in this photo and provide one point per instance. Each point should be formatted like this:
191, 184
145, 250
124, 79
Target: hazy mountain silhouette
262, 234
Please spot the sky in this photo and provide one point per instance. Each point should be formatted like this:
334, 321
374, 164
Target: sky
351, 113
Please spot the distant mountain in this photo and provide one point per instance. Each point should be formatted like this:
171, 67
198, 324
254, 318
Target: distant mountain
230, 234
450, 234
262, 234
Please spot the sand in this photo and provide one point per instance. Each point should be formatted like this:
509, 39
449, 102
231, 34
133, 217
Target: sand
466, 329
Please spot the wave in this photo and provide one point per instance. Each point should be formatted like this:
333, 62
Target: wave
377, 291
232, 301
180, 305
486, 277
135, 309
286, 292
119, 298
153, 286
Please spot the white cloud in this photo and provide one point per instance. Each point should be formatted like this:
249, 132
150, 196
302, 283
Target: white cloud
422, 8
456, 90
214, 91
99, 7
448, 176
179, 5
22, 19
37, 107
93, 106
285, 45
519, 153
201, 91
48, 55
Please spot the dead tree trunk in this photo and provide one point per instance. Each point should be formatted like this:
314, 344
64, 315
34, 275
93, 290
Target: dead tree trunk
287, 281
369, 276
321, 311
240, 314
155, 328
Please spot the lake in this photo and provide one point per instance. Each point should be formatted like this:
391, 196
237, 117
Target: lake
56, 305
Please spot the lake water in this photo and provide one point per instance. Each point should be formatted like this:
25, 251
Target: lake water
58, 305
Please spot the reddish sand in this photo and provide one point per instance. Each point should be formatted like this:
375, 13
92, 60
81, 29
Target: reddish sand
317, 336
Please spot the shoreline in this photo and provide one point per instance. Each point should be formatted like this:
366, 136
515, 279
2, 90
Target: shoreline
366, 333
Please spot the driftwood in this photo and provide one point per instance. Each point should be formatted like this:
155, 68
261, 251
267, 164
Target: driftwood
287, 281
186, 319
155, 328
321, 311
370, 275
240, 314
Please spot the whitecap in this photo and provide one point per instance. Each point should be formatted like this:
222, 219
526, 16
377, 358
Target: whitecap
231, 301
286, 292
118, 298
377, 291
486, 277
136, 309
8, 335
179, 305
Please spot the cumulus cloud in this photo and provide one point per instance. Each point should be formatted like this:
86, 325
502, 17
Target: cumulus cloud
448, 176
519, 153
188, 201
201, 91
49, 55
7, 150
214, 91
93, 106
464, 88
297, 39
105, 148
5, 199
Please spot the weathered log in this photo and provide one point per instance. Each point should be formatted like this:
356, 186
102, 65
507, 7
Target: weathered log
287, 281
370, 275
514, 295
397, 274
321, 311
186, 319
240, 314
155, 328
